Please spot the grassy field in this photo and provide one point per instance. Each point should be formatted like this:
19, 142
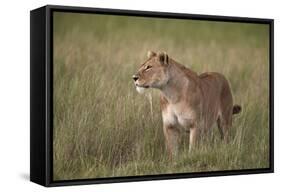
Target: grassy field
104, 128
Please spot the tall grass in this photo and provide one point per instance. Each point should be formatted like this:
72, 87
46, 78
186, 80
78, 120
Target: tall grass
103, 128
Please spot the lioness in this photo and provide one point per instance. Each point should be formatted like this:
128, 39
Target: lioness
188, 101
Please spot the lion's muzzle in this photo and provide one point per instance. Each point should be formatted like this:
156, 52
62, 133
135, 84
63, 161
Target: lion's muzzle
135, 77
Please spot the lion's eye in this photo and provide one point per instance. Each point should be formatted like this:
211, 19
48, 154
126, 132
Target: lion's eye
147, 67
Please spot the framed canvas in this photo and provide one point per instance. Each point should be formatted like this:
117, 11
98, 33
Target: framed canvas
125, 95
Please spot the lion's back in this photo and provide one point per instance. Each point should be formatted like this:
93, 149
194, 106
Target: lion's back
215, 86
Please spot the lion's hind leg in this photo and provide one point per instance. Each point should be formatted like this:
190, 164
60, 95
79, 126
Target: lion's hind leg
224, 122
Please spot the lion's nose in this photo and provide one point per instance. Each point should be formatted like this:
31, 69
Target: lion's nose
135, 77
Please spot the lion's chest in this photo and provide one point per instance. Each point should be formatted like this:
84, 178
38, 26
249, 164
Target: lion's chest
175, 115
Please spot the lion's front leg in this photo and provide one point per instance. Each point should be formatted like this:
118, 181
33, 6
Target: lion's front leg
172, 136
193, 138
191, 125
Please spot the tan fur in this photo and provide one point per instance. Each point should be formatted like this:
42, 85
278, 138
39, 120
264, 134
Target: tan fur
189, 101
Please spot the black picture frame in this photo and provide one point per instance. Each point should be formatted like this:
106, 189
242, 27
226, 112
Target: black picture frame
41, 100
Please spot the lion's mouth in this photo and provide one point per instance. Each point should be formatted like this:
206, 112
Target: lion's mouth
141, 86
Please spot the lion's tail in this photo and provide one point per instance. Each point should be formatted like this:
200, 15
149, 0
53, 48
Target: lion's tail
236, 109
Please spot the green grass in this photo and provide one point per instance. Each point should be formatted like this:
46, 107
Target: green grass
104, 128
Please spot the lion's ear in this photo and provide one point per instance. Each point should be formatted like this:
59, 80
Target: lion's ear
150, 54
163, 58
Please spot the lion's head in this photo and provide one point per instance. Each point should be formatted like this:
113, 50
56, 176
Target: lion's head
153, 72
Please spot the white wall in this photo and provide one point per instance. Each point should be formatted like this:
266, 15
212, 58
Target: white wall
14, 95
